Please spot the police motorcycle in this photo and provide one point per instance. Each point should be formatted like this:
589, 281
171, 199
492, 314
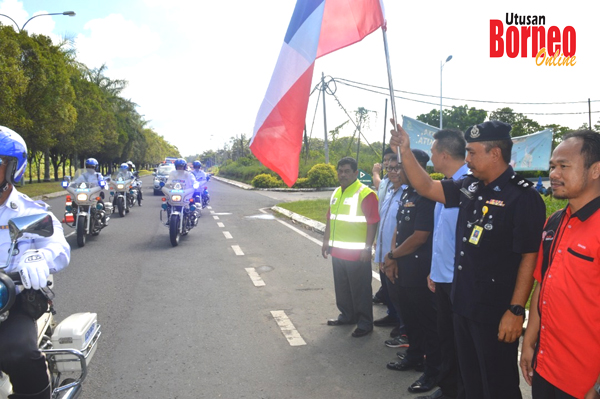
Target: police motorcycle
68, 346
121, 190
136, 185
179, 208
85, 209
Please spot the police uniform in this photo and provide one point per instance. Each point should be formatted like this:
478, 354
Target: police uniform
497, 224
26, 366
410, 292
89, 176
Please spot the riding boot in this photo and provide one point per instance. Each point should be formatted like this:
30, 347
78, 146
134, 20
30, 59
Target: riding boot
46, 393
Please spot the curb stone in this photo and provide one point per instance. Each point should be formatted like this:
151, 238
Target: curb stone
306, 222
249, 187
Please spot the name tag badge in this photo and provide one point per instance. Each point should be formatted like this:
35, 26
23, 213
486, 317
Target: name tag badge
476, 235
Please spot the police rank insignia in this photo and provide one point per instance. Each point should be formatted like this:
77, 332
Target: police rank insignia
473, 187
474, 132
495, 202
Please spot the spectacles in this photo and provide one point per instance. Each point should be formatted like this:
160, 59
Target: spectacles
395, 168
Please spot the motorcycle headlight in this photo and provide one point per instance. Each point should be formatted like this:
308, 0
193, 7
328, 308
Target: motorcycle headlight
7, 292
120, 186
176, 198
82, 197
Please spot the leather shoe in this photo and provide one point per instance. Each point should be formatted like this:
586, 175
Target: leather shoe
437, 394
359, 332
336, 322
425, 383
387, 321
405, 365
377, 300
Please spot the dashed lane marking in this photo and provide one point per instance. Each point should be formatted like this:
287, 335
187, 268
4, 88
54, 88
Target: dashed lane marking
211, 212
221, 225
255, 277
216, 217
227, 235
209, 207
70, 234
287, 328
237, 250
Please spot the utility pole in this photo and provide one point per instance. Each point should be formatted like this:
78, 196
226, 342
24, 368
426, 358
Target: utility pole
325, 118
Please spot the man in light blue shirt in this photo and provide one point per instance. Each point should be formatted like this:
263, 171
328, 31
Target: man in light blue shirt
388, 208
448, 158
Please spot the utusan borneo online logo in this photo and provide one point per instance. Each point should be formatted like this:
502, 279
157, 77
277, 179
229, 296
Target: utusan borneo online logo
528, 36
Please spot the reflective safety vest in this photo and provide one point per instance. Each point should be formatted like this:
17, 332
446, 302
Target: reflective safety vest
347, 222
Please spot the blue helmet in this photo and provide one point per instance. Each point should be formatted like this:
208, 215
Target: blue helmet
197, 164
13, 147
91, 163
124, 166
180, 162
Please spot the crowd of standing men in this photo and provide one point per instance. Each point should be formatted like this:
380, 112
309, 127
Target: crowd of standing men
458, 259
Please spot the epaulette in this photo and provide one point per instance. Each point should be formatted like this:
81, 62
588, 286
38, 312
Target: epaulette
520, 181
39, 203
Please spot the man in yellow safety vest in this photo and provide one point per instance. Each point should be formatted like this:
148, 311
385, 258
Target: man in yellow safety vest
351, 226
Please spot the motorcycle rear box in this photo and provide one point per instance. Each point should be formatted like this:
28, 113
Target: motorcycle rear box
79, 331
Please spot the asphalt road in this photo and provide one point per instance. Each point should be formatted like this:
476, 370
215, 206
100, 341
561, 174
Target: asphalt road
189, 321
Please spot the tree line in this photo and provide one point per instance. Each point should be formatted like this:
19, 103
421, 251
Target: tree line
67, 112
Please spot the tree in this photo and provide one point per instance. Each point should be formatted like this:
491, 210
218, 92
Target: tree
461, 117
521, 124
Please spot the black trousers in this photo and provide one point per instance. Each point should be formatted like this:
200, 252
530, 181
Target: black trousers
488, 367
542, 389
384, 295
20, 357
450, 380
418, 310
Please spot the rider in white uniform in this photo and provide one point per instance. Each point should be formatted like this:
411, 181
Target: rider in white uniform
37, 257
90, 175
180, 175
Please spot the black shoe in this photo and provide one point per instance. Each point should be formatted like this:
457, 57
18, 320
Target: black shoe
396, 332
336, 322
398, 342
425, 383
437, 394
377, 300
359, 332
405, 365
387, 321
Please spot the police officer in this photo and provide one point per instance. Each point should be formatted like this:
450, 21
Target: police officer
20, 357
499, 228
90, 175
180, 175
200, 176
406, 268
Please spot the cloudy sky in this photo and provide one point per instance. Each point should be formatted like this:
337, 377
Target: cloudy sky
199, 69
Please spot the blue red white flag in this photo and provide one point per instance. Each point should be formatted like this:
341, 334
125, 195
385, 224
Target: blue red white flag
317, 28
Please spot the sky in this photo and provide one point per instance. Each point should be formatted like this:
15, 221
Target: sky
199, 70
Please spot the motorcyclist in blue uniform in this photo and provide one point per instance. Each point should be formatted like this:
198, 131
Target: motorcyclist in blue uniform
202, 179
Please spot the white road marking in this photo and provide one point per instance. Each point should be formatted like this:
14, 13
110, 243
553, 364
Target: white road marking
212, 212
70, 234
263, 210
255, 277
287, 328
220, 224
216, 217
227, 235
237, 250
209, 207
319, 243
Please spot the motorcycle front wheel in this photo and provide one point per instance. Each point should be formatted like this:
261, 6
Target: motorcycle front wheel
174, 230
121, 206
81, 231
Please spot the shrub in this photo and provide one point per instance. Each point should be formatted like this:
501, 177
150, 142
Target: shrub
265, 180
322, 175
437, 176
302, 182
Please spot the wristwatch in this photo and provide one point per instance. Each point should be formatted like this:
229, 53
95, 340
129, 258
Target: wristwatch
517, 310
390, 256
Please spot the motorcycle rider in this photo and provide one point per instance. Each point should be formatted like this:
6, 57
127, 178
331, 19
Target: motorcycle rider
91, 175
136, 180
200, 176
180, 175
35, 259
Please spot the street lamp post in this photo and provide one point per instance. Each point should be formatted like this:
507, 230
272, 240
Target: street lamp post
441, 69
68, 13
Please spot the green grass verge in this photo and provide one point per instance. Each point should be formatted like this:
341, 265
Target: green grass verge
313, 209
35, 189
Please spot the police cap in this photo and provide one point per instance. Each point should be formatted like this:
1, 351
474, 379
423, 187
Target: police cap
488, 131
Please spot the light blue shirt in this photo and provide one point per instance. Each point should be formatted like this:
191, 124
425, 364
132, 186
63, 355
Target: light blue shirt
388, 209
382, 190
444, 238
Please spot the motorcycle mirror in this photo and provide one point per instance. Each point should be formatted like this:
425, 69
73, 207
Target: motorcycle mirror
40, 224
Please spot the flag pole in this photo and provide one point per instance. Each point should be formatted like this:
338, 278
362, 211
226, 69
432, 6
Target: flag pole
391, 84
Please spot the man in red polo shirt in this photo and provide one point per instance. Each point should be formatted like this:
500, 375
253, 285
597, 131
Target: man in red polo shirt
561, 348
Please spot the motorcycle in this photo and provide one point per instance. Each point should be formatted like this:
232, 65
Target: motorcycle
68, 346
136, 188
121, 192
179, 206
205, 198
85, 209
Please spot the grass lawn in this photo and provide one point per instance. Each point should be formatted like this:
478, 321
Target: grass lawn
35, 189
313, 209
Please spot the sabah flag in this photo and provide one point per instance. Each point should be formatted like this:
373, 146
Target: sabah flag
317, 28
